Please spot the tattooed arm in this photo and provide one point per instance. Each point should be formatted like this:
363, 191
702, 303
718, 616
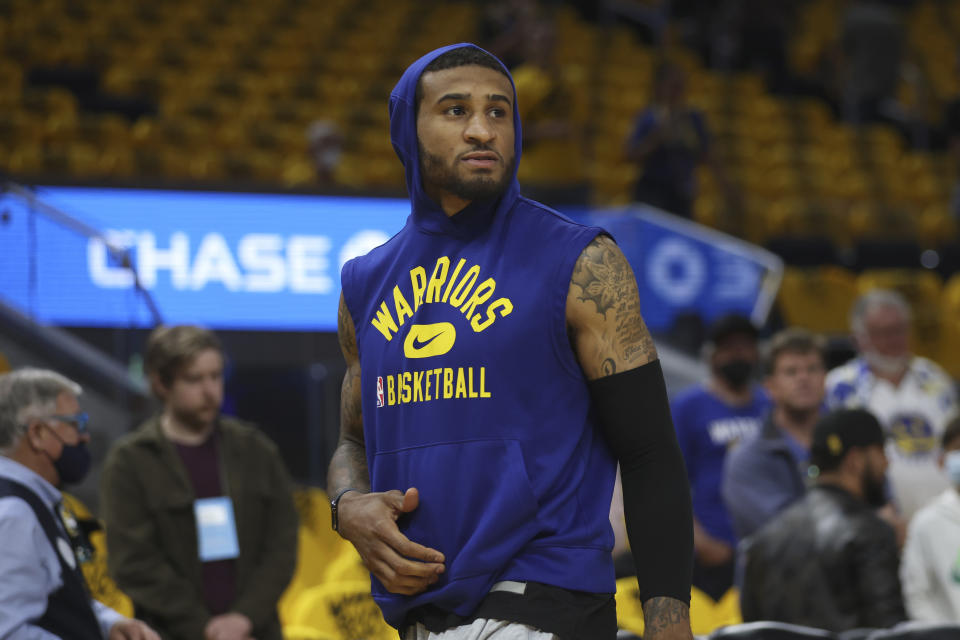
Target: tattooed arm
369, 520
348, 468
603, 312
609, 337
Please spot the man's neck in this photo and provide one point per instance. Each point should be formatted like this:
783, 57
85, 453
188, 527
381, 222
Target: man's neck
798, 424
180, 433
31, 460
894, 379
729, 395
450, 203
842, 481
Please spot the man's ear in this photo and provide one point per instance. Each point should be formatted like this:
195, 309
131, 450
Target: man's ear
854, 461
159, 389
35, 434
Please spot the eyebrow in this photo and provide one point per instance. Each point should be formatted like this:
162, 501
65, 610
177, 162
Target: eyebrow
493, 97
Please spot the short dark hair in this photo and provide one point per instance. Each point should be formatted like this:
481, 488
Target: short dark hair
169, 349
793, 340
951, 433
459, 57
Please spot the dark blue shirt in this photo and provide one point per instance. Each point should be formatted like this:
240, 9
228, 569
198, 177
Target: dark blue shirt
707, 428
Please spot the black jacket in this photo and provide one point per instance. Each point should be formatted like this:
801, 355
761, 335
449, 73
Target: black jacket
828, 561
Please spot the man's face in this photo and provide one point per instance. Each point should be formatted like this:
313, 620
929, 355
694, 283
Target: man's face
195, 395
874, 474
953, 446
735, 348
50, 435
67, 405
465, 132
797, 381
886, 332
734, 359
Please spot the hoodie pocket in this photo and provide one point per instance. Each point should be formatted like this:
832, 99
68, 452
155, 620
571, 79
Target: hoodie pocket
477, 505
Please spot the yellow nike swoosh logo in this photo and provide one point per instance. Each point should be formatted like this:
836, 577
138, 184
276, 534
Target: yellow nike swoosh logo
427, 340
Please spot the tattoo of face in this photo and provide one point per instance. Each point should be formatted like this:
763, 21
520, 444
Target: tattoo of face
660, 614
608, 367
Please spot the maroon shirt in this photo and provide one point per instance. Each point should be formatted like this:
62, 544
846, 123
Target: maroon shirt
203, 466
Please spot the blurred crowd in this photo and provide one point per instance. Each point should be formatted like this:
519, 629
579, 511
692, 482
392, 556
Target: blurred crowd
826, 497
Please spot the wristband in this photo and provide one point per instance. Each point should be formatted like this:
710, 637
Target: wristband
335, 509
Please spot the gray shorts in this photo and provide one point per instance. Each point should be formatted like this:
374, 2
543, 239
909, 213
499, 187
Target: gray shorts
480, 629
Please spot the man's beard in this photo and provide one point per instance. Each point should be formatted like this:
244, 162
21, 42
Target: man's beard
196, 419
434, 171
874, 488
887, 365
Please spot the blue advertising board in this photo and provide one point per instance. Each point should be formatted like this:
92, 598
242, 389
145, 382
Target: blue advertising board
224, 260
272, 261
683, 267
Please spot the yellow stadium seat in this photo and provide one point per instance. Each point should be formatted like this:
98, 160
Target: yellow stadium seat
319, 549
339, 611
949, 352
706, 615
102, 586
818, 299
922, 289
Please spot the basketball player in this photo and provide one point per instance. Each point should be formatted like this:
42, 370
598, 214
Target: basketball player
498, 369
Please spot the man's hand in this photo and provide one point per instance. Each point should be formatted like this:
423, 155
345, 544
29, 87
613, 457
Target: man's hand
129, 629
666, 619
713, 553
228, 626
710, 551
369, 521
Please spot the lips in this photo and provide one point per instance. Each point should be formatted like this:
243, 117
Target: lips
481, 159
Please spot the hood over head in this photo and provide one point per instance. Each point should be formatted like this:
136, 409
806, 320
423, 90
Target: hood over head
403, 135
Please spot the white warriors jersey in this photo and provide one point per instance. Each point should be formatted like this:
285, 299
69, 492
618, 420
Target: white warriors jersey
914, 415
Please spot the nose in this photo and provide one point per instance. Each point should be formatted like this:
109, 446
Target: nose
213, 390
478, 130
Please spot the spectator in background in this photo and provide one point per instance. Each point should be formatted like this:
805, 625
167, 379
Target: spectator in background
201, 526
829, 561
553, 112
504, 26
873, 42
326, 147
930, 570
670, 139
911, 396
710, 420
767, 473
43, 438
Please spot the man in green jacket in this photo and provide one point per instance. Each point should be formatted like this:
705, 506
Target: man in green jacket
201, 526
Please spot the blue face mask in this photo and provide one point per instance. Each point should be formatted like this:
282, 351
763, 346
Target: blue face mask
952, 465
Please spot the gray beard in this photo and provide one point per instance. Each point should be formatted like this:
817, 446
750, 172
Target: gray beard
887, 365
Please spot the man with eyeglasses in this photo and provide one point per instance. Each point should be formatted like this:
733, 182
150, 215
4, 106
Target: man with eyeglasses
43, 438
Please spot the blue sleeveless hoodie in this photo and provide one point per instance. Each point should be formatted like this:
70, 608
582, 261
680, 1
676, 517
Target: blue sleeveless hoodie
471, 391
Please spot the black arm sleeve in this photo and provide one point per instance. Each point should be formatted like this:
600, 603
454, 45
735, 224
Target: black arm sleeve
634, 416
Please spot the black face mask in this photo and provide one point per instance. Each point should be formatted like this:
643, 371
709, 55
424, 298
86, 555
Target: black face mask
736, 373
74, 462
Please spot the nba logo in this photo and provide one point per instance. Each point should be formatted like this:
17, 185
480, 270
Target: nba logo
379, 391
